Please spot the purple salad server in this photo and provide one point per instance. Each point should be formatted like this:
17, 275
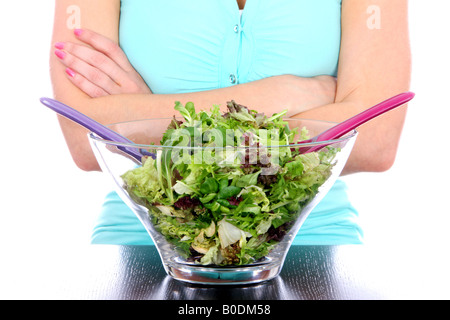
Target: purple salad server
95, 127
354, 122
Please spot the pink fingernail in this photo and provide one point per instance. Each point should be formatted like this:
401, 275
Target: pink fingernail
60, 54
70, 72
78, 32
59, 45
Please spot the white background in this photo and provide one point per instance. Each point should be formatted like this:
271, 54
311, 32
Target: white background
47, 201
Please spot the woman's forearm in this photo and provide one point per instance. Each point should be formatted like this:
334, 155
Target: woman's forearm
269, 95
376, 145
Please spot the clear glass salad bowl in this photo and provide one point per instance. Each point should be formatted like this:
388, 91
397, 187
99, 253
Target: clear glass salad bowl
219, 212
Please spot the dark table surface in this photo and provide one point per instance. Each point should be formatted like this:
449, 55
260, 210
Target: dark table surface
310, 272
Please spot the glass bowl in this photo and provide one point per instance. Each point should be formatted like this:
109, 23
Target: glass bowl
215, 234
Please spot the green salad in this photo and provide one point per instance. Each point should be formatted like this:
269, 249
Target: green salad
225, 188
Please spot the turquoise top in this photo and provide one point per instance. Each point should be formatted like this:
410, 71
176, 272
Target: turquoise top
185, 46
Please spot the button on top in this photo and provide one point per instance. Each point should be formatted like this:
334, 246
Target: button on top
232, 79
236, 28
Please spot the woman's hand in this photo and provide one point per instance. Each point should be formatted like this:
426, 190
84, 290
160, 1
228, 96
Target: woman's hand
100, 67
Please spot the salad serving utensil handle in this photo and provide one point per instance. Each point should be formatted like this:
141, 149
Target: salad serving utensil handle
354, 122
92, 125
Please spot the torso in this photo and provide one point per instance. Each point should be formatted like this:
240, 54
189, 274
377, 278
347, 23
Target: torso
196, 48
206, 44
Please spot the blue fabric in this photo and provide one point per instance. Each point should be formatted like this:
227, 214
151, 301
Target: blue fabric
185, 46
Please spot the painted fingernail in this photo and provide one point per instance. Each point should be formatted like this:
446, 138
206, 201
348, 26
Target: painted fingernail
59, 45
60, 54
70, 72
78, 32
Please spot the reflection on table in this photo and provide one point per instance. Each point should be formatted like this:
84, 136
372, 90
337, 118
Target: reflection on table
310, 272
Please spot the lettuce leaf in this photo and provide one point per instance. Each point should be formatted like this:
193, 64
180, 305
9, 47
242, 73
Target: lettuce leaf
143, 182
228, 205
